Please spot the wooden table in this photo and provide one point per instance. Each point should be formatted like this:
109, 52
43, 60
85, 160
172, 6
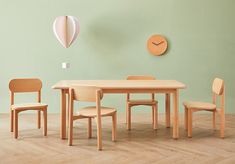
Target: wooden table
127, 86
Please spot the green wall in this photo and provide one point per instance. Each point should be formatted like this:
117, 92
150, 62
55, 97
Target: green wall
112, 44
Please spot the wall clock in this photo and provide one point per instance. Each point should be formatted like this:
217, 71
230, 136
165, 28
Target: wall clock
157, 45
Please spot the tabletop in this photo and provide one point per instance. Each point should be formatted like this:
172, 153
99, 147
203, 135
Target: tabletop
116, 84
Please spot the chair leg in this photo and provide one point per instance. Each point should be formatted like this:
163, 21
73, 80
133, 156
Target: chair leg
70, 134
222, 125
214, 125
127, 108
68, 98
99, 133
129, 118
190, 122
89, 127
168, 112
45, 122
15, 124
114, 127
39, 119
185, 118
155, 117
12, 119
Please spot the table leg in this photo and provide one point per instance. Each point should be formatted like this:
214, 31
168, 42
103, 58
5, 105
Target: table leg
63, 115
168, 113
67, 110
176, 114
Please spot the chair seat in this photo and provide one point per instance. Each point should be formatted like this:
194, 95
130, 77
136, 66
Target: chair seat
28, 106
92, 112
199, 105
141, 102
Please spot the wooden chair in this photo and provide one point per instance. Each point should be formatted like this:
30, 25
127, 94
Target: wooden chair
26, 85
149, 102
90, 94
218, 89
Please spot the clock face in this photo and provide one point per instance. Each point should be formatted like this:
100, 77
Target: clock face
157, 45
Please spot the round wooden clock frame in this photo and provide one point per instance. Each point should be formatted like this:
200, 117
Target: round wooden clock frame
157, 45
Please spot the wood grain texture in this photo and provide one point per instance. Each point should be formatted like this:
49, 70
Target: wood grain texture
89, 94
126, 84
157, 45
136, 102
168, 112
25, 85
123, 86
141, 145
218, 90
21, 86
63, 114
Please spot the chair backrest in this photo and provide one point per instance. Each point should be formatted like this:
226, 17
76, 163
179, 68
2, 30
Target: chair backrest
218, 89
25, 85
218, 86
86, 93
141, 77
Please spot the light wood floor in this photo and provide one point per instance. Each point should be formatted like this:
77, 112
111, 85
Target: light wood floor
141, 145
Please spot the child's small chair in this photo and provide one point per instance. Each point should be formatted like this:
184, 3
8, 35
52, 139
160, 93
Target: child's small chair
149, 102
218, 89
90, 94
26, 85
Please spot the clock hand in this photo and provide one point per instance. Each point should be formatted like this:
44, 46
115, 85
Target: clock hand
160, 42
156, 44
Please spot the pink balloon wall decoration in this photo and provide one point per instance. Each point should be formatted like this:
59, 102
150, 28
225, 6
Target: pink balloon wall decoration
66, 29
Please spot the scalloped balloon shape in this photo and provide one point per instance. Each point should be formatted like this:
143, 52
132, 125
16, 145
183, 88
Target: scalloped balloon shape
66, 29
